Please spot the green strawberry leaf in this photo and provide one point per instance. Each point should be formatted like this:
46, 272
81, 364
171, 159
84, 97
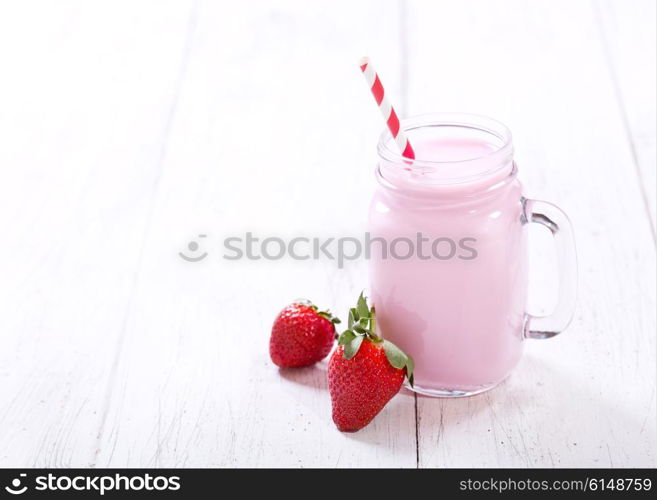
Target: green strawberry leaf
399, 359
363, 310
327, 315
353, 317
410, 366
395, 355
346, 337
352, 347
359, 329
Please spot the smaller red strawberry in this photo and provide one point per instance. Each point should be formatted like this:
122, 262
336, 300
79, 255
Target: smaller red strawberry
301, 335
365, 371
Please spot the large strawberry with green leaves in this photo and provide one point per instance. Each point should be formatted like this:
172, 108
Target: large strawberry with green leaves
365, 371
301, 335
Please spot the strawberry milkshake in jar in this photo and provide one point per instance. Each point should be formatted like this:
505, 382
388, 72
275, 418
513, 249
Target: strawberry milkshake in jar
448, 254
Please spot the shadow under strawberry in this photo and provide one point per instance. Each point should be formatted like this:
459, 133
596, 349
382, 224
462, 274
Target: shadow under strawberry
311, 376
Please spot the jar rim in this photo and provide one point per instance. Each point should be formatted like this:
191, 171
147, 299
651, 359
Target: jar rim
483, 165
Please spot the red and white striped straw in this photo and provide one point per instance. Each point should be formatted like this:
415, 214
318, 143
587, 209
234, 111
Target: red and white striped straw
388, 112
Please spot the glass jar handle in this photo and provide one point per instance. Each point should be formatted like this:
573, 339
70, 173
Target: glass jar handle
552, 217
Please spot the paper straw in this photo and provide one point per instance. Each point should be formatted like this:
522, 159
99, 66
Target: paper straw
388, 112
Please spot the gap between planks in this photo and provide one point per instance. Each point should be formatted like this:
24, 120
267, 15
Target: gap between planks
170, 117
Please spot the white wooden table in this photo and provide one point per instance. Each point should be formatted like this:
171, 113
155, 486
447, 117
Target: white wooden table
128, 128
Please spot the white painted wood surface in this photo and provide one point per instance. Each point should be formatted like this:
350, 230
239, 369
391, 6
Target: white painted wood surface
129, 128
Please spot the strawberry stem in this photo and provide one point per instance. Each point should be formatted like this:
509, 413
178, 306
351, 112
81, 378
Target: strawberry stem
361, 326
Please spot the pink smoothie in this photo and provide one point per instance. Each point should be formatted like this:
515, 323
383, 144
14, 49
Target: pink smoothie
459, 311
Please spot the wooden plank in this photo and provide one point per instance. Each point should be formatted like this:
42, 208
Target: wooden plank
85, 96
585, 398
629, 35
275, 134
